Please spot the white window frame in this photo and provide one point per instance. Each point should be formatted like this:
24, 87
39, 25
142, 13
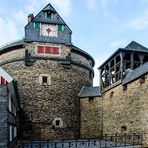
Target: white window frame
41, 79
60, 122
10, 132
10, 102
15, 131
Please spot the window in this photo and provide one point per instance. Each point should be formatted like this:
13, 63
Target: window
48, 50
3, 81
124, 87
48, 14
12, 132
51, 50
37, 25
60, 28
10, 109
40, 49
123, 128
56, 50
111, 94
15, 131
14, 109
142, 80
44, 79
11, 105
58, 122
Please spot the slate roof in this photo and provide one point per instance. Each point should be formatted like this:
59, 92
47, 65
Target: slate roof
48, 8
136, 73
90, 92
76, 49
46, 21
133, 46
12, 44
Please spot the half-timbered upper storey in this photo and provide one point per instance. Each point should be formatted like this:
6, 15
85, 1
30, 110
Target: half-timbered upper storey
123, 61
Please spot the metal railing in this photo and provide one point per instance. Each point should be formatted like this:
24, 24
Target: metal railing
125, 140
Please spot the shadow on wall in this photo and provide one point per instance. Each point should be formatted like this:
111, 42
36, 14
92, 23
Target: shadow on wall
24, 125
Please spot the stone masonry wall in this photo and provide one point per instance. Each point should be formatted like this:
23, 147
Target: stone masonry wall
127, 108
80, 58
91, 116
41, 104
13, 54
3, 117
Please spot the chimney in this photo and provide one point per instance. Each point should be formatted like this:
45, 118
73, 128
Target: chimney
30, 17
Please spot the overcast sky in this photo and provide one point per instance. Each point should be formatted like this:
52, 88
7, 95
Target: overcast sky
99, 26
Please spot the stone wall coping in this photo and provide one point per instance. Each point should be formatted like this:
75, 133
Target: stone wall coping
112, 86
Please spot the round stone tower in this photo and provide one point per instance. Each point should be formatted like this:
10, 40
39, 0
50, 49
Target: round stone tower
50, 72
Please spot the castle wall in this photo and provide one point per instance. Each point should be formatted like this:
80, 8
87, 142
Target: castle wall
91, 117
126, 108
42, 104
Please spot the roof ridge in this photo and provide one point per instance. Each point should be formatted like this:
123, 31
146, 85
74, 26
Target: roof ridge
135, 43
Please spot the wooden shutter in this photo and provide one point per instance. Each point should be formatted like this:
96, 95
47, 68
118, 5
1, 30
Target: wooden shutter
40, 49
37, 25
47, 50
56, 50
60, 28
52, 50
